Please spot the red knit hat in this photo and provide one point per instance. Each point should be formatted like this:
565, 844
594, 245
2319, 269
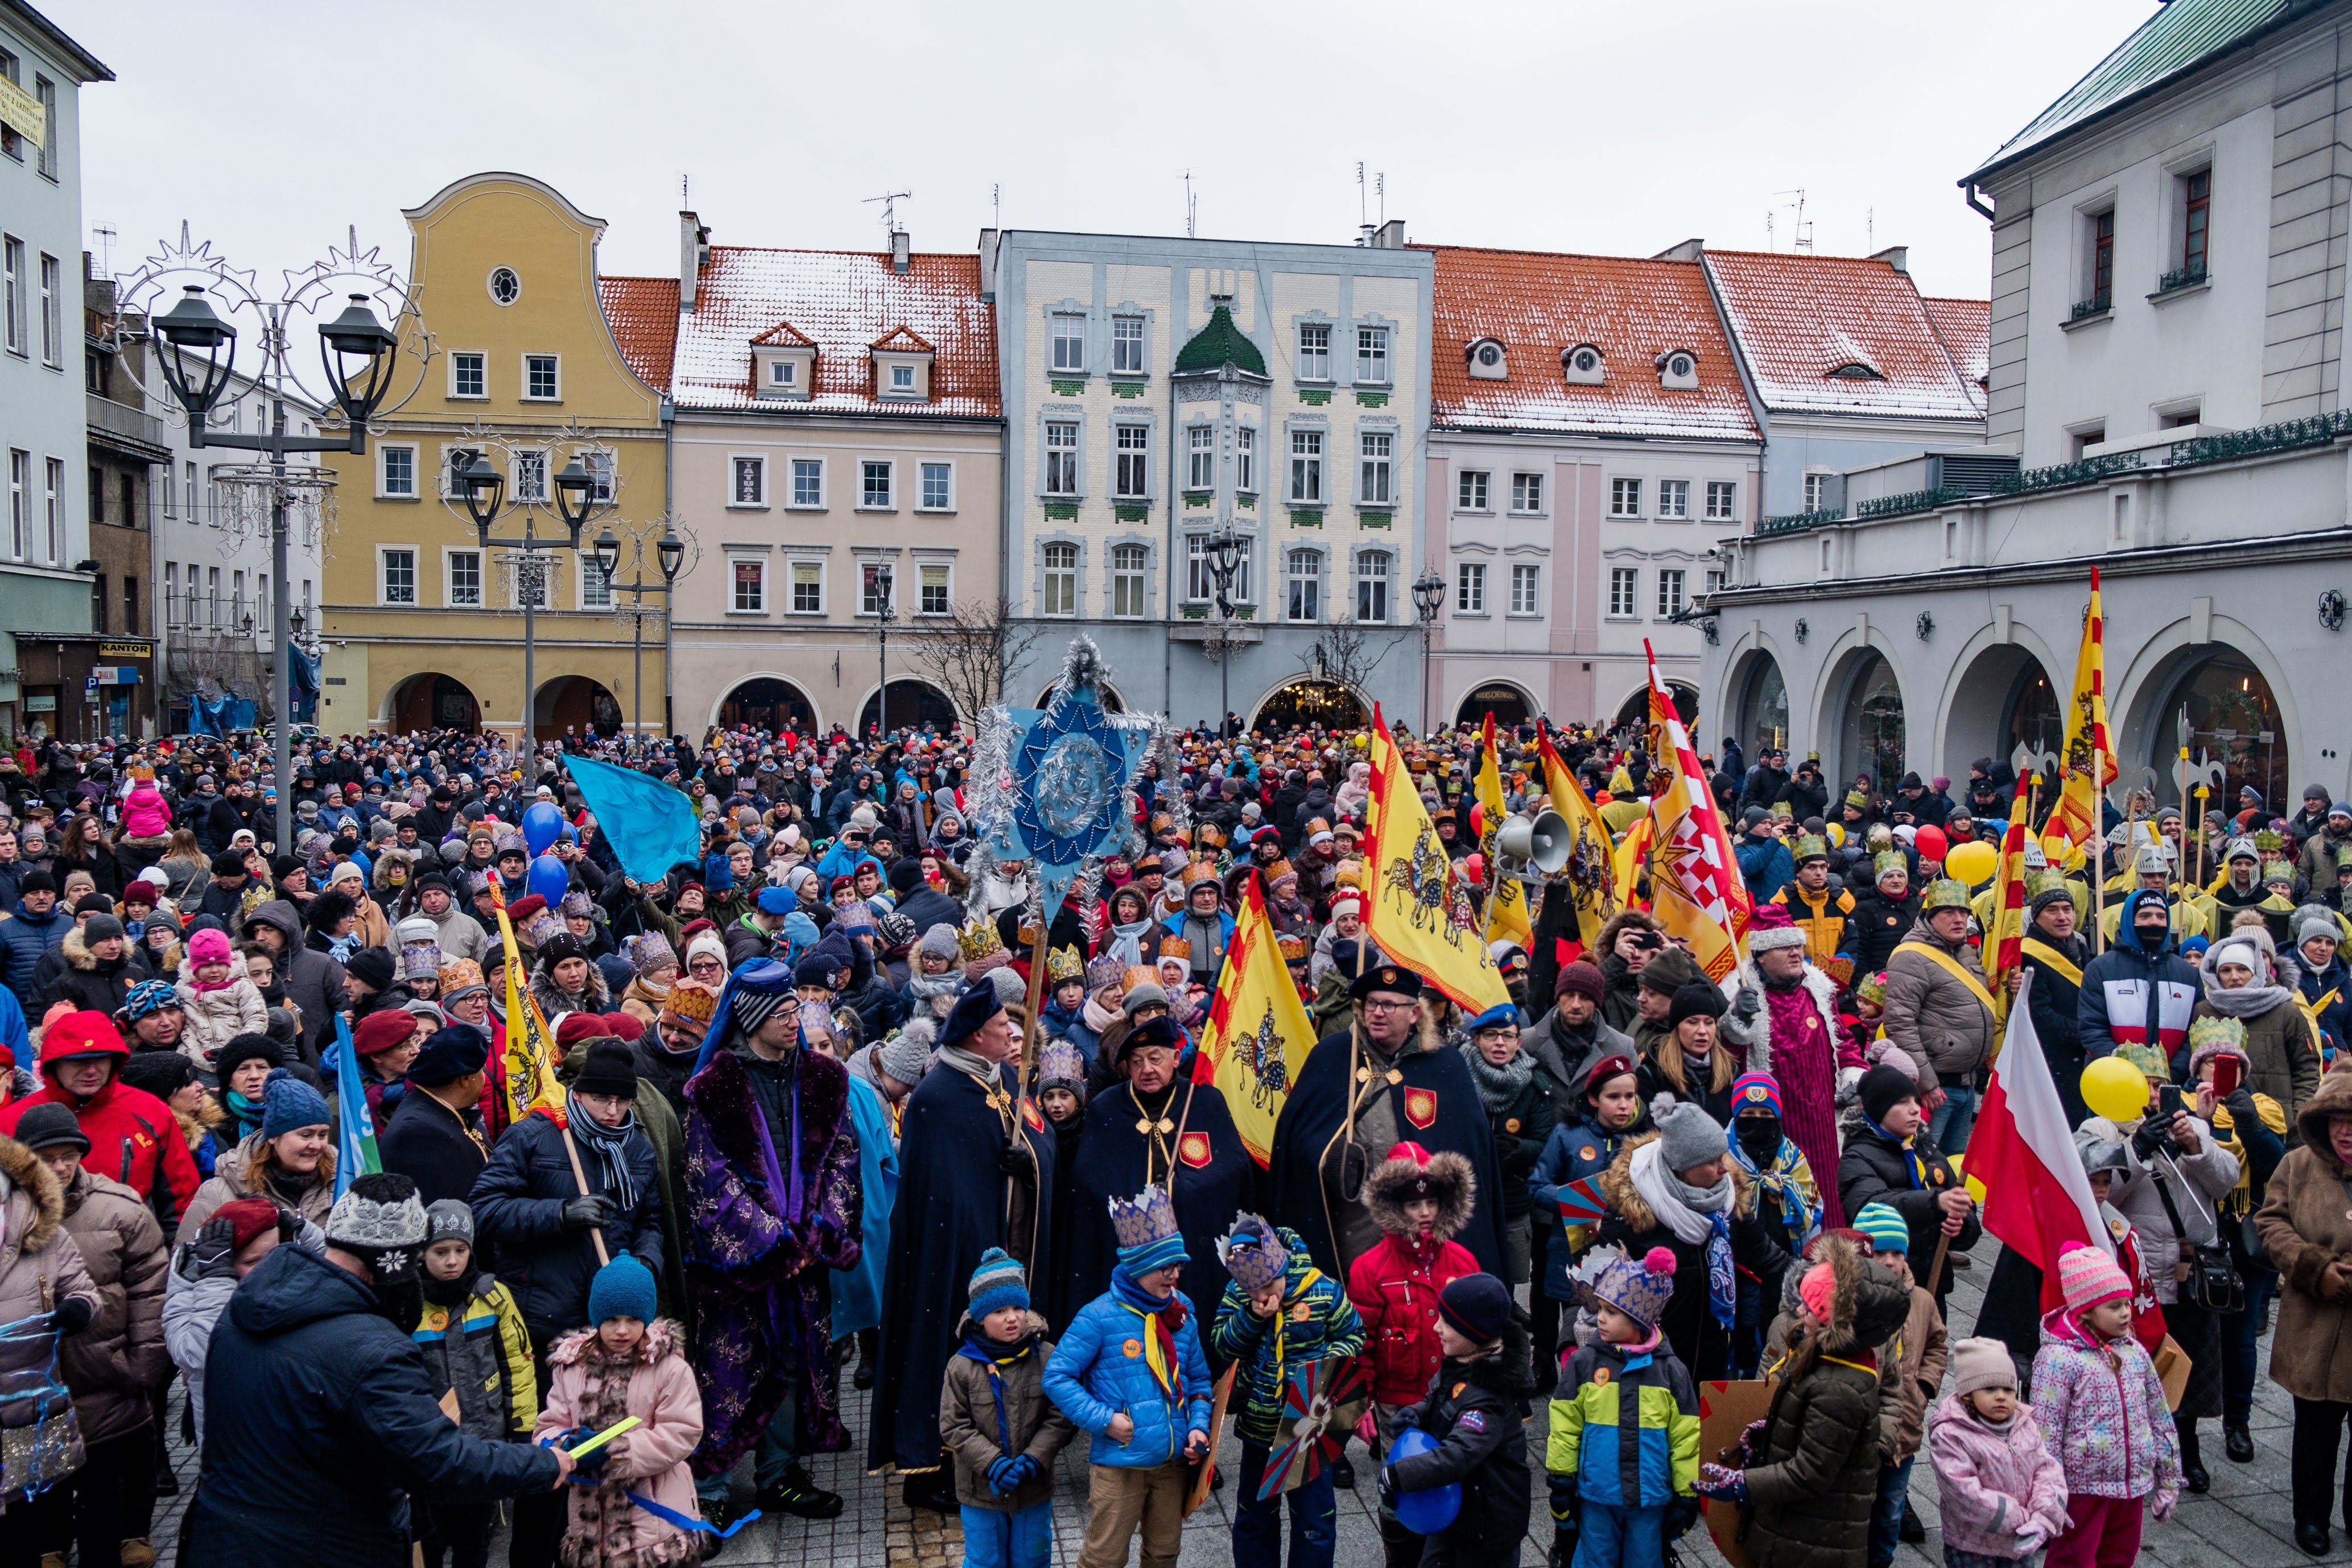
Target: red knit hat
523, 908
247, 1219
2088, 1277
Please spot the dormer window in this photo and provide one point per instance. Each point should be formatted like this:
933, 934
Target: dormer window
1854, 370
784, 375
1678, 370
1488, 362
1583, 365
1848, 360
902, 378
902, 368
783, 363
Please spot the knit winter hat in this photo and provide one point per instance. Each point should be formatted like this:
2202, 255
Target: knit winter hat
2088, 1277
996, 1284
1885, 1226
1253, 1254
1637, 1287
379, 1218
1755, 1091
1981, 1363
1687, 1135
1584, 980
449, 1219
50, 1125
208, 946
1881, 1087
247, 1217
245, 1048
288, 1104
940, 941
907, 1055
1818, 1290
621, 1288
1700, 998
2316, 920
1478, 1306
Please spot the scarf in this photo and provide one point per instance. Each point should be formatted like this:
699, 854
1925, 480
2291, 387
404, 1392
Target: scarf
246, 1113
1126, 941
1698, 1215
994, 1358
608, 1144
1498, 1087
2248, 1002
1914, 1166
1800, 1211
1161, 1319
970, 1064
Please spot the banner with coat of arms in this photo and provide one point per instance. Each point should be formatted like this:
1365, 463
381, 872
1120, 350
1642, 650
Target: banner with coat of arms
1259, 1033
1418, 914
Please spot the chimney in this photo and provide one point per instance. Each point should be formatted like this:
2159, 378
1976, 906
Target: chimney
988, 263
693, 251
1390, 236
899, 245
1688, 250
1898, 256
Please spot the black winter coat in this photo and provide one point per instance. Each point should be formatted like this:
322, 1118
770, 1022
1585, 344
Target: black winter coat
2054, 1002
327, 1420
1873, 1170
1880, 924
430, 1144
518, 1202
1474, 1412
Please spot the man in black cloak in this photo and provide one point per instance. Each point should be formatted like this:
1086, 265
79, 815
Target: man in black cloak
976, 1171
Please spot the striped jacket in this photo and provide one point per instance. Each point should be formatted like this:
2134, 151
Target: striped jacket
1316, 1320
1625, 1452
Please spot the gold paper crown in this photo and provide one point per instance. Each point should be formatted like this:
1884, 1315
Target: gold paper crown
1150, 1217
1064, 963
1293, 948
1278, 870
1197, 872
691, 1002
2267, 842
1135, 975
1176, 947
977, 940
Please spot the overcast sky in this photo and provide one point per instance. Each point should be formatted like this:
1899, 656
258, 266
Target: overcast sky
1613, 128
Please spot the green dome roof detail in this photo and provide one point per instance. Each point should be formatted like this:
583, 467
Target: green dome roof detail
1218, 344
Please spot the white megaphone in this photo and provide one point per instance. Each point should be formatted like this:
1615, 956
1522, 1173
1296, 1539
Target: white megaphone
1541, 842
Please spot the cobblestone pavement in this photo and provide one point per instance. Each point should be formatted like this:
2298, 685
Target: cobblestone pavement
2245, 1519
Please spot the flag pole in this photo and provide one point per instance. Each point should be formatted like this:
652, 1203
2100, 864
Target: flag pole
596, 1232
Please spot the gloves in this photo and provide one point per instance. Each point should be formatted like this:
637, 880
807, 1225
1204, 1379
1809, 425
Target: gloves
1002, 1477
1024, 1470
210, 1253
2152, 1136
1681, 1513
2240, 1104
1388, 1487
2167, 1499
1723, 1485
1563, 1505
1747, 1003
1849, 1082
2032, 1538
1506, 1146
74, 1314
1013, 1160
587, 1211
590, 1463
1750, 1438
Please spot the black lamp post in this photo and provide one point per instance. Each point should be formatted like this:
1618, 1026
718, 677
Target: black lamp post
1428, 599
1224, 561
882, 581
196, 358
671, 555
483, 490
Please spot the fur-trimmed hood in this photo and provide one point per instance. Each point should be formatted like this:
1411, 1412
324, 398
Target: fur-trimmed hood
1617, 1185
1451, 1182
2333, 1099
597, 994
26, 1170
663, 1337
78, 954
1866, 1307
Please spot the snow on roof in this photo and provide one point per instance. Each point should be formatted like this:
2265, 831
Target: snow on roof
1966, 327
783, 335
1798, 317
1537, 304
643, 314
846, 303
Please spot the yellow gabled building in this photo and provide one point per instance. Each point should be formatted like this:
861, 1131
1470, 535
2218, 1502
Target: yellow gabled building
423, 626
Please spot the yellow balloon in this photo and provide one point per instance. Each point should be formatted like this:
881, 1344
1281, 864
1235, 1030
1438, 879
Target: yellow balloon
2115, 1089
1972, 862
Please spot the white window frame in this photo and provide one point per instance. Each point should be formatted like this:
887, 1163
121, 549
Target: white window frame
946, 569
384, 554
53, 330
1131, 461
1470, 588
517, 462
172, 607
603, 466
384, 488
1375, 467
1527, 493
924, 471
555, 361
1674, 501
454, 595
54, 508
1057, 567
1624, 497
1129, 576
1625, 594
1373, 357
1200, 583
1726, 492
1245, 459
1308, 444
1526, 588
902, 377
1060, 470
15, 321
1127, 346
800, 465
478, 362
588, 589
1293, 579
1673, 591
735, 565
890, 467
442, 465
1201, 457
793, 565
784, 372
170, 490
45, 93
754, 464
1314, 351
1385, 580
1816, 490
1057, 339
20, 502
1473, 490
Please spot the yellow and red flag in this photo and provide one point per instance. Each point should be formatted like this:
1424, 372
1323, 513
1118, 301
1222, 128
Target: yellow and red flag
1507, 904
1258, 1033
2087, 764
529, 1061
1588, 874
2004, 938
1694, 885
1416, 912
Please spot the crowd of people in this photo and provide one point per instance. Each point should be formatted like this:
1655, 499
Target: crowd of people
845, 1151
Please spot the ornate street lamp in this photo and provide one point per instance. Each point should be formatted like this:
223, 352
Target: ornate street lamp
1428, 599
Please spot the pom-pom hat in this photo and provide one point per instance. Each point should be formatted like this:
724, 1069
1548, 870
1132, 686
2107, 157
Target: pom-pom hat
1637, 1287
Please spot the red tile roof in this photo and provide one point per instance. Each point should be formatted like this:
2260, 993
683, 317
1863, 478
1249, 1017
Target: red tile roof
1966, 327
899, 340
783, 335
1537, 304
643, 314
1798, 317
846, 302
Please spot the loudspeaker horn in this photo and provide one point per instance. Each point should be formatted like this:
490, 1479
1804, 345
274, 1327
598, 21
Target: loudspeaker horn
1541, 842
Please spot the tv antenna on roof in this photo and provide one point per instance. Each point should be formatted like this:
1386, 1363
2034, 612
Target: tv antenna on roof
1192, 207
104, 235
889, 200
1800, 233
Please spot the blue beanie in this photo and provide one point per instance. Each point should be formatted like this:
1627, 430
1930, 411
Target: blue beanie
621, 1288
997, 1284
287, 1103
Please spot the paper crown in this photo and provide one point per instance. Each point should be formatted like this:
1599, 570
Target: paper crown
691, 1002
977, 940
1887, 860
1136, 974
2268, 842
1104, 971
1278, 870
2277, 872
1809, 848
1061, 1065
1197, 872
1176, 947
1150, 1217
1292, 948
1639, 1288
1064, 963
1253, 1254
1944, 893
2216, 1031
2046, 880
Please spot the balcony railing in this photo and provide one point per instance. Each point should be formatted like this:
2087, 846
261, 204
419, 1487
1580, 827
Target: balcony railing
123, 422
2096, 305
2187, 277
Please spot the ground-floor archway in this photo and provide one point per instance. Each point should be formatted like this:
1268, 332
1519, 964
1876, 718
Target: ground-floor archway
1759, 706
1508, 704
913, 705
1869, 720
2004, 703
1635, 710
1305, 702
2233, 718
576, 704
431, 700
1107, 694
766, 702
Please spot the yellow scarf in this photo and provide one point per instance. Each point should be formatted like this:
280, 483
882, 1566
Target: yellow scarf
1953, 967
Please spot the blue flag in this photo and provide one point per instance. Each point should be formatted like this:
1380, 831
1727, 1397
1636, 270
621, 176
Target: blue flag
355, 1152
650, 826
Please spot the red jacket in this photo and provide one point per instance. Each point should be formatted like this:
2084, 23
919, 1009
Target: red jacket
1394, 1288
134, 1139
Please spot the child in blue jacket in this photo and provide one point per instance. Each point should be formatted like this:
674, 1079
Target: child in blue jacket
1131, 1374
1580, 1148
1623, 1452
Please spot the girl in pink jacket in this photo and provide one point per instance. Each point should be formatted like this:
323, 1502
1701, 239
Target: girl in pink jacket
2003, 1491
630, 1363
2097, 1398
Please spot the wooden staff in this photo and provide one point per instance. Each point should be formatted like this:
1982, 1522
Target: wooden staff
1037, 955
573, 1150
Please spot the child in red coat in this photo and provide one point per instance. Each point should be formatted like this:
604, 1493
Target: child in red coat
1419, 1200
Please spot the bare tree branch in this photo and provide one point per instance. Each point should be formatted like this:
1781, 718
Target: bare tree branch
966, 652
1346, 652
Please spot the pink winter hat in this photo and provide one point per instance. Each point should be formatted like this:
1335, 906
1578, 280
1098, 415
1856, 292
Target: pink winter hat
1818, 1290
2088, 1277
208, 946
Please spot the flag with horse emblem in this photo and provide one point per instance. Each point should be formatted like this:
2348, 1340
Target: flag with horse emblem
1259, 1033
1418, 915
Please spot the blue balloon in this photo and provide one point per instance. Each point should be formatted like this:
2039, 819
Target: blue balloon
549, 879
1424, 1512
543, 825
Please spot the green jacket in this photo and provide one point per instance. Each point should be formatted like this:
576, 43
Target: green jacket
1316, 1320
1636, 1453
482, 1352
